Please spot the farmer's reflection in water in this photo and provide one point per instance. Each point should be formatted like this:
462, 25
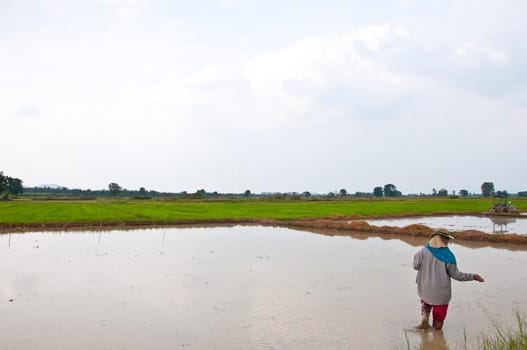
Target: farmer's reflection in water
436, 265
433, 340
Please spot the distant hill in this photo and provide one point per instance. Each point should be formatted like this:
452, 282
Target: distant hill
53, 186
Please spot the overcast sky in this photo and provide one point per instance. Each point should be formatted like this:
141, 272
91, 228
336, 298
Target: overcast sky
274, 95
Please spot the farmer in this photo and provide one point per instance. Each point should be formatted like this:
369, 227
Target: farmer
435, 265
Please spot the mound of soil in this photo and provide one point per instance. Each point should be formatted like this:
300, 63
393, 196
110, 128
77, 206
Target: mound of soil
414, 230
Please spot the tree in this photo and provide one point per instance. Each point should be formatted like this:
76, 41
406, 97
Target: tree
4, 187
463, 193
3, 181
15, 186
442, 193
10, 186
247, 193
114, 189
142, 191
503, 194
487, 189
391, 191
343, 192
378, 191
307, 194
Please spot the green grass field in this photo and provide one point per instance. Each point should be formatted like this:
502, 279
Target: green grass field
122, 210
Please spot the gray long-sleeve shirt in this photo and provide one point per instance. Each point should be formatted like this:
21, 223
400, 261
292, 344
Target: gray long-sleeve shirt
433, 278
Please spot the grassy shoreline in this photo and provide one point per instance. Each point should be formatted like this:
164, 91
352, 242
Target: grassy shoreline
62, 215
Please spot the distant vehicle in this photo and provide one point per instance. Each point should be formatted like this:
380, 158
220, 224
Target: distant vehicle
501, 205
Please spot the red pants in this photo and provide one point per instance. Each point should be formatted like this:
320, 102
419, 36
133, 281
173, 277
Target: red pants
438, 313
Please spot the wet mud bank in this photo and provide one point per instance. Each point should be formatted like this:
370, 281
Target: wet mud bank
414, 235
336, 225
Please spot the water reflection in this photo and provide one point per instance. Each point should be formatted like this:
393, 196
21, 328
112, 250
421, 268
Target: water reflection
432, 340
493, 224
499, 224
413, 241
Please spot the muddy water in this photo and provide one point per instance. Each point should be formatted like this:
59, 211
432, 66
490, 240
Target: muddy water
461, 223
237, 288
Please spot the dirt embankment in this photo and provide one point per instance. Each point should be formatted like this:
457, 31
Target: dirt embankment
356, 227
345, 227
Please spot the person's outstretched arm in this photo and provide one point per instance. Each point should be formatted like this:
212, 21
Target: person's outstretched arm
454, 272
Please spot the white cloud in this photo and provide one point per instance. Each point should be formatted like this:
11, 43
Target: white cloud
377, 37
117, 7
204, 77
316, 61
299, 76
472, 55
226, 4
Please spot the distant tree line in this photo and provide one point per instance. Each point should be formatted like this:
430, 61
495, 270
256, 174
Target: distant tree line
10, 186
487, 190
114, 190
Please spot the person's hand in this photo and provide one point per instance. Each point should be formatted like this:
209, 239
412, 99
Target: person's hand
478, 278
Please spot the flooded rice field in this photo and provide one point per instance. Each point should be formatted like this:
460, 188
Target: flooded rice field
243, 287
494, 224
